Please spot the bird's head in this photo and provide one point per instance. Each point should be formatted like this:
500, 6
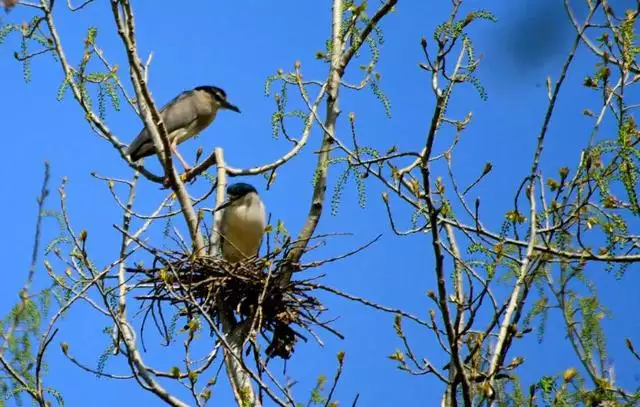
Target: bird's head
219, 97
236, 193
240, 189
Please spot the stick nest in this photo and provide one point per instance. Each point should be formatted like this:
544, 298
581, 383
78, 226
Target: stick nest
250, 290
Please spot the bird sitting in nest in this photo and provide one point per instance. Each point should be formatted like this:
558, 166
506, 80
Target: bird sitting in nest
184, 117
242, 223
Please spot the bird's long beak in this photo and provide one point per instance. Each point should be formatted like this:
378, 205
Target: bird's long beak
226, 203
223, 205
229, 106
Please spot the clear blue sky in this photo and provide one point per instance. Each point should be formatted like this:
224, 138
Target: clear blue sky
236, 47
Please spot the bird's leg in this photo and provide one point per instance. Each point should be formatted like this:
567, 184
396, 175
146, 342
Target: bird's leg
186, 166
166, 182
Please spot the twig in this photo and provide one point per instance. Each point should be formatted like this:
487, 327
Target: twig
368, 303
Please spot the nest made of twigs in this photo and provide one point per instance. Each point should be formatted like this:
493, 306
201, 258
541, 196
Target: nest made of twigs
251, 290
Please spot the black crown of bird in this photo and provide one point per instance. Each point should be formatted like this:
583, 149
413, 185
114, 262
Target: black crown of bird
240, 189
215, 91
184, 117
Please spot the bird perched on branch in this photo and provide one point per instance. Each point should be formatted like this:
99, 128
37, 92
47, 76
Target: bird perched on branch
242, 223
184, 117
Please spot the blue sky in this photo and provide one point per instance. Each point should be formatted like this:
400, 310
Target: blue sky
236, 47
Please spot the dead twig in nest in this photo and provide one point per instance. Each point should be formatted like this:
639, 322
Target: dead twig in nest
281, 313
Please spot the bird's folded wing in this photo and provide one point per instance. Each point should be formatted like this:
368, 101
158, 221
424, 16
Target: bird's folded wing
177, 114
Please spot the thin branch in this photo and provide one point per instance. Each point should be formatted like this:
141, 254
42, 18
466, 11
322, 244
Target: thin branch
368, 303
153, 120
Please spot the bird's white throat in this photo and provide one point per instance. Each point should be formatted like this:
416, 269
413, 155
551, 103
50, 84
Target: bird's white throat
243, 227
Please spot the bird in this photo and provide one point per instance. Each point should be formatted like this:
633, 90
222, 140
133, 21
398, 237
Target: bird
184, 117
242, 223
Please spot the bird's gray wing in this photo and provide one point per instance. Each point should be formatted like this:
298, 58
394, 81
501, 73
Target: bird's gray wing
141, 146
176, 114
